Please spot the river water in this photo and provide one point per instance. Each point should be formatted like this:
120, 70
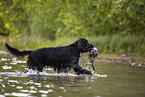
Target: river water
109, 80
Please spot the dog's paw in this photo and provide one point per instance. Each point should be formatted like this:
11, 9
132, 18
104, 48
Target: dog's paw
84, 72
87, 72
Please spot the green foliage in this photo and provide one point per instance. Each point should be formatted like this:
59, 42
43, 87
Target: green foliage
119, 44
56, 18
43, 19
113, 23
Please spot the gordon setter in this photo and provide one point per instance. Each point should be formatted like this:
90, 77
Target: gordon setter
62, 58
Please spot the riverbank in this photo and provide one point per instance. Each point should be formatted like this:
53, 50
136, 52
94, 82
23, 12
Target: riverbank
128, 60
129, 45
137, 61
120, 49
133, 61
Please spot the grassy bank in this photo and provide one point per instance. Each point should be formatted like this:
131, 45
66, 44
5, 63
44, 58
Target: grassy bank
116, 48
121, 45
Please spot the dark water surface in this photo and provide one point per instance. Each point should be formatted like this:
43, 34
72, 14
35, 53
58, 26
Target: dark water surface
111, 80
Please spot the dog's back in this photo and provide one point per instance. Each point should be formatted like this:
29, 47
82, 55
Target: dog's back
61, 58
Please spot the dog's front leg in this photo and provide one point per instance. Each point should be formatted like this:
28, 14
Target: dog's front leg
78, 70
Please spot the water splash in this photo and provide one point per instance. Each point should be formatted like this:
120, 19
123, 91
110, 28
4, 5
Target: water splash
35, 72
4, 59
17, 94
6, 67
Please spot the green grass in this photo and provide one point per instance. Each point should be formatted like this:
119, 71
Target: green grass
108, 45
120, 44
34, 42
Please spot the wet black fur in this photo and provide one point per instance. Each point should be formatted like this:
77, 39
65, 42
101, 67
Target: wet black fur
60, 58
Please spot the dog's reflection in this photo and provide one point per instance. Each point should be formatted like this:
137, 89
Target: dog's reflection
62, 79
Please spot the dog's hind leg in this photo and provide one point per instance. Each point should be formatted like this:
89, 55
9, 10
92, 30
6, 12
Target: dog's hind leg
34, 65
65, 69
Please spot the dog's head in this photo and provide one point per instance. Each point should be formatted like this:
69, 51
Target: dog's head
84, 46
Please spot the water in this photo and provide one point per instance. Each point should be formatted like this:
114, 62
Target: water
110, 80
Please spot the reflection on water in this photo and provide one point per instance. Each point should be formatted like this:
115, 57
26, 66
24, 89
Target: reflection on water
35, 85
111, 80
16, 83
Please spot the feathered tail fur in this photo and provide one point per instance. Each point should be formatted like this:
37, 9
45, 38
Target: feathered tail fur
14, 51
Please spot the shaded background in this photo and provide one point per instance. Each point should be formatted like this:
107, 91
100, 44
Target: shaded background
113, 26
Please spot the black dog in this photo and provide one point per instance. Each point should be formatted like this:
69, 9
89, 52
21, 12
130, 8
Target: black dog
61, 58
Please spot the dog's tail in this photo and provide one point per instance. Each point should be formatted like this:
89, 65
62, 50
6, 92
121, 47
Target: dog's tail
14, 51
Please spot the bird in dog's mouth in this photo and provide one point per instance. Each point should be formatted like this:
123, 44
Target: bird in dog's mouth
92, 54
